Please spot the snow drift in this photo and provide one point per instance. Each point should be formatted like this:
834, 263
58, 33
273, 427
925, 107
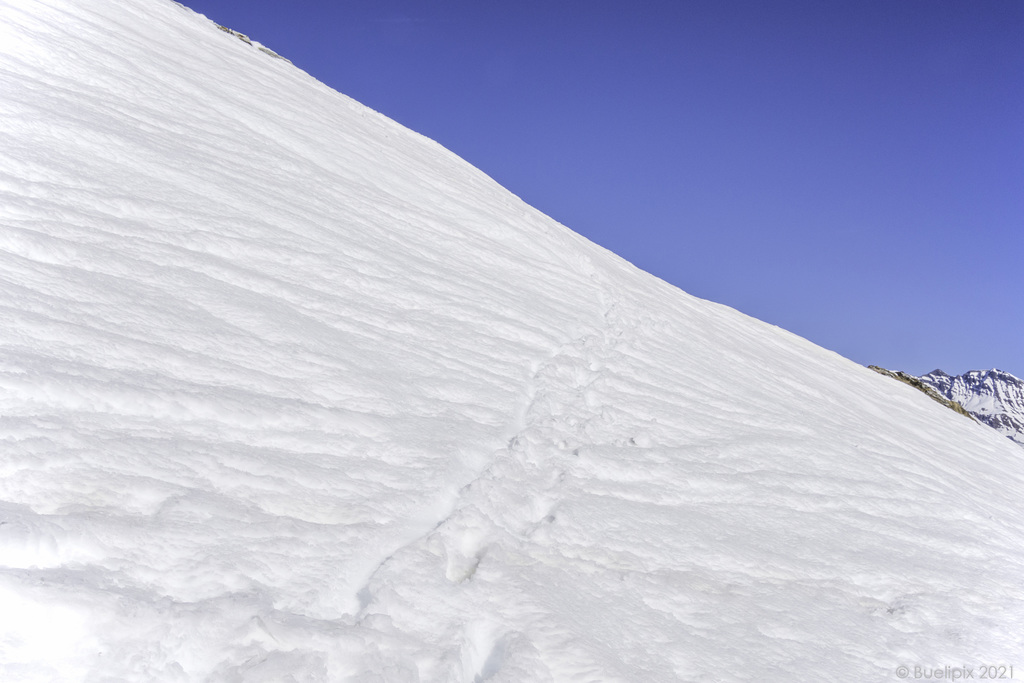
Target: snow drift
289, 392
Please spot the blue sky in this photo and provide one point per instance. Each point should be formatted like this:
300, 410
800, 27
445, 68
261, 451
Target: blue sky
850, 171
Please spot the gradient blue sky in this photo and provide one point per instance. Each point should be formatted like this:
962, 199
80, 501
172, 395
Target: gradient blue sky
850, 171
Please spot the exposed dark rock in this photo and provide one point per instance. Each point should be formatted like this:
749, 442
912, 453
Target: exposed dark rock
921, 386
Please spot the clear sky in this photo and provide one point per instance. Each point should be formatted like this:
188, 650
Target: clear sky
850, 171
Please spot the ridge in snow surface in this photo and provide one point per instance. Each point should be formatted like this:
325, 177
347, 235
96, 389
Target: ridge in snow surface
289, 392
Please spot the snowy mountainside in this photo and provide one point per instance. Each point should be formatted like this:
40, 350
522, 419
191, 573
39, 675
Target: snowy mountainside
993, 396
289, 392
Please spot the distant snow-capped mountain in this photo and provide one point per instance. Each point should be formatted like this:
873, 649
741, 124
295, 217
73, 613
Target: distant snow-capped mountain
993, 396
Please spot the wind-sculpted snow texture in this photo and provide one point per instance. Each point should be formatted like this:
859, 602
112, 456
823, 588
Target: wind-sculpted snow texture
291, 393
993, 396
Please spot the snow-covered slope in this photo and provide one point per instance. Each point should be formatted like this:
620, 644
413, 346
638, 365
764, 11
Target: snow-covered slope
993, 396
290, 393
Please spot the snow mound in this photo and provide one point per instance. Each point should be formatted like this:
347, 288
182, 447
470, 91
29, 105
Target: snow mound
291, 393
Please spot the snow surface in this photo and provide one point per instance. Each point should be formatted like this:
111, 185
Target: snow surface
291, 393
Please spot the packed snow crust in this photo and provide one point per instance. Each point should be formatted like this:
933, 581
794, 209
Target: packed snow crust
291, 393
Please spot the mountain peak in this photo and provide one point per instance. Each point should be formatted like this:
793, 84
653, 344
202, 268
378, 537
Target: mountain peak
993, 396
